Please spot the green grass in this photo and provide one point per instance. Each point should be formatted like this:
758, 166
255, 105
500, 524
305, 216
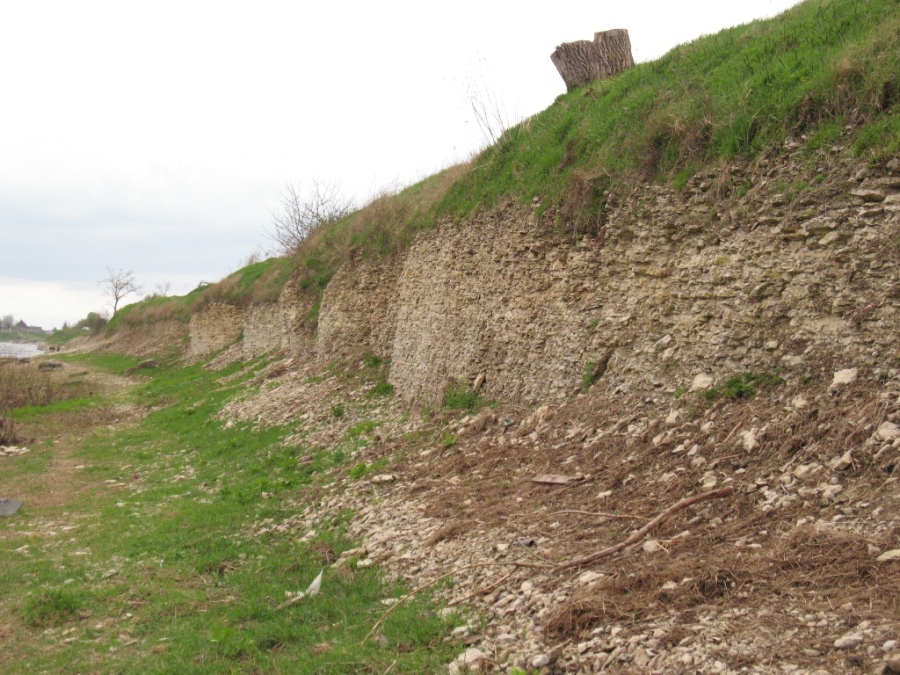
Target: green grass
814, 71
743, 386
820, 65
458, 396
160, 571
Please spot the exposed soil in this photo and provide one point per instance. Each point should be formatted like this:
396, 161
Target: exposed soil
783, 575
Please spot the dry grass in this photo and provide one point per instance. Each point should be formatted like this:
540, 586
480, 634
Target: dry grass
824, 568
24, 385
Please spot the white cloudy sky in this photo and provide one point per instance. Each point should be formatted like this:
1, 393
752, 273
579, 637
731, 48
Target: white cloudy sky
156, 136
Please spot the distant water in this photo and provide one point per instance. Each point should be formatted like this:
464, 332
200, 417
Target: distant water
18, 350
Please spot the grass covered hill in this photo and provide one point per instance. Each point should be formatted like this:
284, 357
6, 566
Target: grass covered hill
817, 71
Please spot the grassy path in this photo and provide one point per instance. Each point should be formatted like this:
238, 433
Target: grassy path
132, 552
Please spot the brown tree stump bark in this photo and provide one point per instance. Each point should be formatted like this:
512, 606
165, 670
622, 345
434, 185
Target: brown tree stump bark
584, 61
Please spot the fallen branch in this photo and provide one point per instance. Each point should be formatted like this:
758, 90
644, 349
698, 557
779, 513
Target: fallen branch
438, 580
641, 533
599, 514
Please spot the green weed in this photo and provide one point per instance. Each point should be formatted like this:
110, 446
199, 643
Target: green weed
458, 396
381, 389
744, 386
51, 608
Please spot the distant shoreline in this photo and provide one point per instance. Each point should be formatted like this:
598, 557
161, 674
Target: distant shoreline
19, 350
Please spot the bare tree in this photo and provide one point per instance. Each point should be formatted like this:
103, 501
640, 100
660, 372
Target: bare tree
162, 289
7, 322
302, 212
118, 285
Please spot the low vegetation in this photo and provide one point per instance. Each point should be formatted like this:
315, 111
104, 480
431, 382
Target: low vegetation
23, 386
821, 69
167, 564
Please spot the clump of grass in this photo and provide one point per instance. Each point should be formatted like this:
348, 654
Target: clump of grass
458, 396
381, 389
337, 411
24, 385
51, 608
588, 375
743, 386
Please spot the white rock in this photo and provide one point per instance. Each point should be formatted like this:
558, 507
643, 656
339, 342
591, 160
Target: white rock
383, 478
888, 432
799, 402
889, 555
701, 381
589, 577
843, 377
748, 440
848, 641
540, 661
651, 546
672, 418
472, 659
843, 462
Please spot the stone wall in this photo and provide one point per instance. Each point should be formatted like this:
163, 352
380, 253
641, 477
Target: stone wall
264, 329
707, 280
359, 310
213, 328
496, 300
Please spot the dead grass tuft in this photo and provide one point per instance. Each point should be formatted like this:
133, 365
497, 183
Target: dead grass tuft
827, 568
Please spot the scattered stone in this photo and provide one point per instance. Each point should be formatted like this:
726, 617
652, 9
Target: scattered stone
848, 641
540, 661
843, 377
701, 381
887, 432
799, 403
473, 659
843, 462
589, 577
383, 478
887, 556
651, 546
9, 507
868, 195
749, 441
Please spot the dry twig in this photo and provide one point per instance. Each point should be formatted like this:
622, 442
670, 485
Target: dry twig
599, 514
641, 533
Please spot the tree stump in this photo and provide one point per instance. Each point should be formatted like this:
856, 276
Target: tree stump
584, 61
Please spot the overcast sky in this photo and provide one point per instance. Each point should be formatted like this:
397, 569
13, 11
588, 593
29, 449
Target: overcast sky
157, 136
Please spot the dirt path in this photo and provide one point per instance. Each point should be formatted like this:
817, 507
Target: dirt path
48, 479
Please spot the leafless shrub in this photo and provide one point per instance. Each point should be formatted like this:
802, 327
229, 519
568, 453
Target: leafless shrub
118, 285
300, 213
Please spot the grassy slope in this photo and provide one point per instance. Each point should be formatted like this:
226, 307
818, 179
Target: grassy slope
810, 72
822, 64
142, 562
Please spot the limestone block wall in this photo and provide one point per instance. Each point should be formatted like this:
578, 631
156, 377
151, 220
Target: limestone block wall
359, 310
264, 329
707, 280
213, 328
496, 298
